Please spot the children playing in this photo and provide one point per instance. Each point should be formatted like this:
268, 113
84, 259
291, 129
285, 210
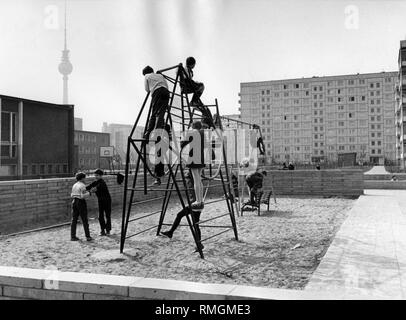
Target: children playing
103, 196
196, 161
197, 88
158, 87
255, 183
79, 206
195, 213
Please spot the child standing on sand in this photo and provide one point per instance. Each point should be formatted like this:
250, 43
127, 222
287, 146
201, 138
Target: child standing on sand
79, 206
104, 199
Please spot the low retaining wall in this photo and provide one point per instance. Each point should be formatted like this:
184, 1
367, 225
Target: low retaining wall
318, 182
24, 204
21, 283
387, 177
39, 203
385, 185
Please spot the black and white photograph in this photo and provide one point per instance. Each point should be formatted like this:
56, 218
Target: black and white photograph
177, 152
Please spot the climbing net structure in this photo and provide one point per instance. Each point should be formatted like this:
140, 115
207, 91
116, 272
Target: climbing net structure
180, 114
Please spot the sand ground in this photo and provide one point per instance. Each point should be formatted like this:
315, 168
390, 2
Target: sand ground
281, 248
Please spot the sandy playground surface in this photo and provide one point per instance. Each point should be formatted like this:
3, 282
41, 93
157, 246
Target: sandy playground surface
281, 248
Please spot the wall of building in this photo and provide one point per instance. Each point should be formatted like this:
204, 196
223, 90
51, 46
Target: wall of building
88, 146
311, 119
119, 136
47, 140
401, 106
42, 139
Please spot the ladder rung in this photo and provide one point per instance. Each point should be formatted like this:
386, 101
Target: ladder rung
200, 226
145, 216
215, 235
146, 201
136, 234
211, 219
214, 201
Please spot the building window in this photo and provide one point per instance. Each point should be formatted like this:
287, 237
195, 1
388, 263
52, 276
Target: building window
42, 169
8, 140
50, 169
34, 169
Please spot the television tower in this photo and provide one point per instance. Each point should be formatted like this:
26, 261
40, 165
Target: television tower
65, 67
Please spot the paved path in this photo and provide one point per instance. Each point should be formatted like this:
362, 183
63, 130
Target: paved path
377, 170
368, 255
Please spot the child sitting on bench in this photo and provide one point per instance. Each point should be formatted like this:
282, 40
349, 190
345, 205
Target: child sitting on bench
255, 183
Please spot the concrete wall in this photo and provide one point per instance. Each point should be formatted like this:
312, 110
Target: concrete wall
384, 184
387, 177
20, 283
318, 183
35, 203
39, 203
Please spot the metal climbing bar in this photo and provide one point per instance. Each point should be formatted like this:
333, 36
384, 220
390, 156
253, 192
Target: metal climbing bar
215, 235
184, 115
143, 231
144, 216
211, 219
200, 226
147, 201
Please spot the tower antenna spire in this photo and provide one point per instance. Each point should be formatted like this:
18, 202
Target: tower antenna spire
65, 30
65, 67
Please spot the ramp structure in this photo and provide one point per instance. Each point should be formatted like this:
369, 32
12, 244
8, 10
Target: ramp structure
181, 114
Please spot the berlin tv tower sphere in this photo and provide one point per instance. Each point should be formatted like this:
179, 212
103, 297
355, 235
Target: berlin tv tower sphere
65, 67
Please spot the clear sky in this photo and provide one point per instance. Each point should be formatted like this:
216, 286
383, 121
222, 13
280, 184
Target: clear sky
233, 41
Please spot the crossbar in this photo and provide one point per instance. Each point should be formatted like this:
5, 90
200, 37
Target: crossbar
136, 234
215, 235
211, 219
146, 201
145, 216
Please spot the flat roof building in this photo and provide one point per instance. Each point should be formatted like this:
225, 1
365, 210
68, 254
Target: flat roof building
36, 139
88, 146
315, 119
401, 107
119, 134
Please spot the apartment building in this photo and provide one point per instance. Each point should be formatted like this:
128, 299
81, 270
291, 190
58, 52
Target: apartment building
317, 119
87, 150
119, 137
401, 106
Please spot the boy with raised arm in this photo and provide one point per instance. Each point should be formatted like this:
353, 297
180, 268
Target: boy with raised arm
104, 201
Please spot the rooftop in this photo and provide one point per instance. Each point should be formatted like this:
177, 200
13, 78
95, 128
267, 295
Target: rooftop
324, 78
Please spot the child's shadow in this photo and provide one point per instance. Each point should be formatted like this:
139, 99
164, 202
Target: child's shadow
277, 214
